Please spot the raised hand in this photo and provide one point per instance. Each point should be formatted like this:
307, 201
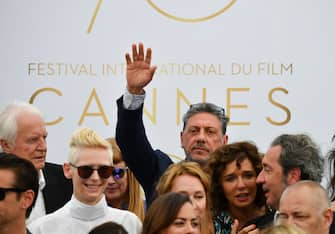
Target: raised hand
251, 229
139, 70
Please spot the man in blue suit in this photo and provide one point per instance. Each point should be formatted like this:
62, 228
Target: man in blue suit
204, 126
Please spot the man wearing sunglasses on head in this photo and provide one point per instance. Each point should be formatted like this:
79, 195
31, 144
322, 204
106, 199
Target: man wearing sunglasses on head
18, 190
204, 127
23, 133
89, 165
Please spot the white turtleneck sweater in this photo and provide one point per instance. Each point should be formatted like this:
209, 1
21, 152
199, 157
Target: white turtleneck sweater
78, 218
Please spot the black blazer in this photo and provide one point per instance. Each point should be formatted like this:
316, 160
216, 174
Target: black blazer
58, 189
146, 163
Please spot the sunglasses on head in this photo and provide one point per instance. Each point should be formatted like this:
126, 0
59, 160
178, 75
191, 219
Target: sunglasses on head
86, 171
118, 172
3, 191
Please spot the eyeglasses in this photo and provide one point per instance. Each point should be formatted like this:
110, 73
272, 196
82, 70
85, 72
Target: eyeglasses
119, 172
3, 191
86, 171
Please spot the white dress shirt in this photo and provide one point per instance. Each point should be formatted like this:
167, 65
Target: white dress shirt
39, 208
132, 101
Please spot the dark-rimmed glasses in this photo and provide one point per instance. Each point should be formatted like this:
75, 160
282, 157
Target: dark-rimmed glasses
119, 172
86, 171
3, 191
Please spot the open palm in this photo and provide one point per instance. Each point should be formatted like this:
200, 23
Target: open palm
139, 70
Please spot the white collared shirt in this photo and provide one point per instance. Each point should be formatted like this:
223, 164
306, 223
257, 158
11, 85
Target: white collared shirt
39, 208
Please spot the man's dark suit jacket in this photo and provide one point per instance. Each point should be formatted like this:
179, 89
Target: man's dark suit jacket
57, 190
146, 163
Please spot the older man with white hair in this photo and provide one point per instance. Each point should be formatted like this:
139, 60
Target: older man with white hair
23, 133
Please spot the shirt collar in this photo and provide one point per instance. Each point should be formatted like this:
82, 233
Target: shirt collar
41, 181
86, 212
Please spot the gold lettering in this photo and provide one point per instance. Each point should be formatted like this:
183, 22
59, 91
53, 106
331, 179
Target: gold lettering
30, 68
89, 29
212, 69
231, 106
201, 70
153, 116
235, 69
101, 110
280, 106
40, 69
51, 70
188, 69
39, 91
288, 68
181, 96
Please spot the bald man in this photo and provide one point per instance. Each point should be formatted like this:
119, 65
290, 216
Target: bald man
306, 205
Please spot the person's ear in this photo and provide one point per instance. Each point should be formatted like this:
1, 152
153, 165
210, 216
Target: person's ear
5, 146
181, 139
293, 176
67, 170
225, 139
27, 198
328, 214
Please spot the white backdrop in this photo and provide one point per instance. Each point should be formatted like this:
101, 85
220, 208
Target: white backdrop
269, 63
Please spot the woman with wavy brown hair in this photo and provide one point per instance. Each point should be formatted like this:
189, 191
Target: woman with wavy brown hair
188, 177
233, 169
123, 190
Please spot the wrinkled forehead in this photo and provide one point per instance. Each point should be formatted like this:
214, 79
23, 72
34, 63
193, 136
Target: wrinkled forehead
298, 201
204, 119
29, 122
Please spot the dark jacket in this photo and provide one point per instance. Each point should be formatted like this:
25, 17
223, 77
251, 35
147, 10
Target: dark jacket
146, 163
57, 190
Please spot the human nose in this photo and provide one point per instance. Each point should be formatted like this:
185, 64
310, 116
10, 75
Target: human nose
95, 175
290, 220
260, 178
201, 135
111, 180
42, 144
190, 229
240, 182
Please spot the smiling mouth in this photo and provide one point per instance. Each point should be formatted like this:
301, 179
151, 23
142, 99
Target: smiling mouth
92, 187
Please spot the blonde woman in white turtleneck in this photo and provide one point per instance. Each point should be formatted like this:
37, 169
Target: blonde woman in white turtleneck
89, 166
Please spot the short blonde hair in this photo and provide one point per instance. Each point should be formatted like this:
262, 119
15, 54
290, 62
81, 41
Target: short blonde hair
87, 138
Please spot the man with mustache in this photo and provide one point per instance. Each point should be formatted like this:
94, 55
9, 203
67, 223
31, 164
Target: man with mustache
204, 126
23, 133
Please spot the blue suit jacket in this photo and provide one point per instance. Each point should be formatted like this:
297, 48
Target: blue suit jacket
146, 163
